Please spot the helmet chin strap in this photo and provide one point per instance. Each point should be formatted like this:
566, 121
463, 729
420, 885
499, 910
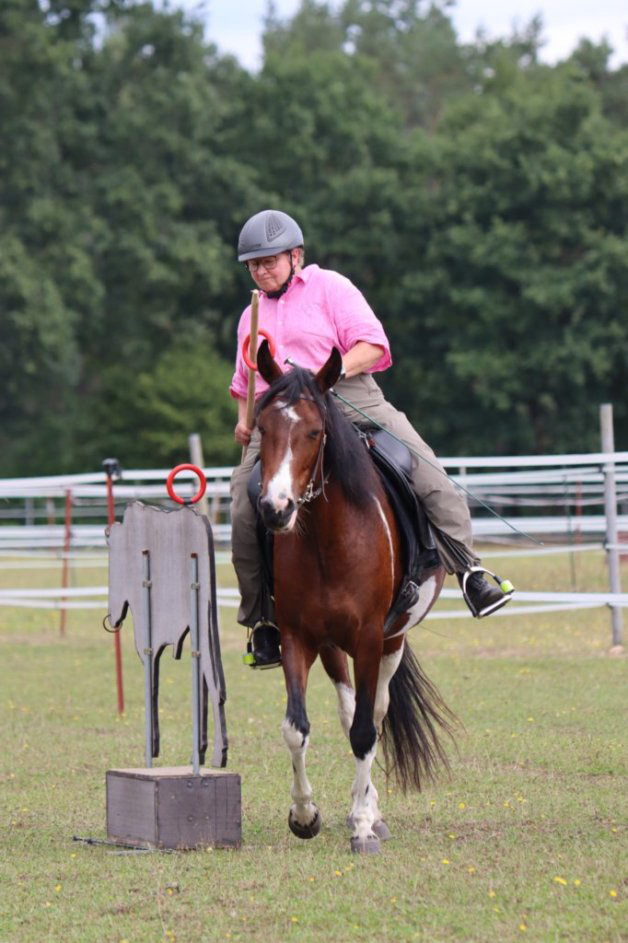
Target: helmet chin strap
286, 285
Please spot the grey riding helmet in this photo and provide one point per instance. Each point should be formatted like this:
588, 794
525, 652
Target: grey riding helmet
268, 233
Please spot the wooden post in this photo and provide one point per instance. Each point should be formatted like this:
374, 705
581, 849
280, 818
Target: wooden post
250, 393
610, 509
196, 458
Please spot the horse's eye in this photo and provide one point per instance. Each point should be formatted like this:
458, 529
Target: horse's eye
314, 433
261, 430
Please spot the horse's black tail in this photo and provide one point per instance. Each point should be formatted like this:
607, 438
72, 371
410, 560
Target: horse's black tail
412, 728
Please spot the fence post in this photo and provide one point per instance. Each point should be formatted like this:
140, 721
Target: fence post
196, 458
65, 571
112, 469
610, 510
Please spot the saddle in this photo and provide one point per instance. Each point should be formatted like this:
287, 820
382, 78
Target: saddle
393, 463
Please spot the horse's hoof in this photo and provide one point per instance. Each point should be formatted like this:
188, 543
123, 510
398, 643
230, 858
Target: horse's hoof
365, 846
379, 828
382, 831
305, 831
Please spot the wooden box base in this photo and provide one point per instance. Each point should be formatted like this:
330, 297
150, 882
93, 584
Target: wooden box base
170, 807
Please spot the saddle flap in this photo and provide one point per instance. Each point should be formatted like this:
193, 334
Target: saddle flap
394, 464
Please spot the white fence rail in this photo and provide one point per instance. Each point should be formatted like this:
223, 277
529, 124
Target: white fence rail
514, 484
95, 597
567, 483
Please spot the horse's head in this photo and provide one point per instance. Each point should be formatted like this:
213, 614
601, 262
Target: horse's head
291, 419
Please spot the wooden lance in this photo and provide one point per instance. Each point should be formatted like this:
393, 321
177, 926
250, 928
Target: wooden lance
250, 393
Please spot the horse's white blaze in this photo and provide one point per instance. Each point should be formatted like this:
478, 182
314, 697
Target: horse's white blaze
279, 490
390, 540
291, 413
303, 809
346, 705
288, 410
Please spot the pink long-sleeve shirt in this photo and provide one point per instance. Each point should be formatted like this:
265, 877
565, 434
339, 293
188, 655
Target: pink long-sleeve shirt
321, 309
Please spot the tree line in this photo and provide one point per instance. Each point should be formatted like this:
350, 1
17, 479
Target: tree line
478, 197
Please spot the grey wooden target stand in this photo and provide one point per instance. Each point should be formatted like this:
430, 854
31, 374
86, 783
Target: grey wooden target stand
161, 566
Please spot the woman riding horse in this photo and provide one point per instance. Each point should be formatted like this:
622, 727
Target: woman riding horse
338, 570
309, 310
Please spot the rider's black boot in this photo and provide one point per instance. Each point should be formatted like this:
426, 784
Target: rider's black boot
482, 598
262, 649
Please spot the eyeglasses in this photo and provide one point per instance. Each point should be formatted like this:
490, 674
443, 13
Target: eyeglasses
269, 263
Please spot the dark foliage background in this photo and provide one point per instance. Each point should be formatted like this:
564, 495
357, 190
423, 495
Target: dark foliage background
478, 197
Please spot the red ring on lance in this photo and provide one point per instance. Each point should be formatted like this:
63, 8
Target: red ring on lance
201, 477
245, 348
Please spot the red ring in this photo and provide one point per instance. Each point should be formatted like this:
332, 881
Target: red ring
201, 477
245, 348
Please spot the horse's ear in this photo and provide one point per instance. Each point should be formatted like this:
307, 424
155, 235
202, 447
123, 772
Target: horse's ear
329, 373
267, 367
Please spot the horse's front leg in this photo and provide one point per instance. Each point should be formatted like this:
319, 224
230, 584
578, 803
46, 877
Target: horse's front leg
304, 818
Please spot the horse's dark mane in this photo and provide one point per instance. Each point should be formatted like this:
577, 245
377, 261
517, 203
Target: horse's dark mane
346, 457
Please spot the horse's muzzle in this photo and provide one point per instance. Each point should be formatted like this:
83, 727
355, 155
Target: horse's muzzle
277, 519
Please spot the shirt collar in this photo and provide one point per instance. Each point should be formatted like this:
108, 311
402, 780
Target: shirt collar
305, 274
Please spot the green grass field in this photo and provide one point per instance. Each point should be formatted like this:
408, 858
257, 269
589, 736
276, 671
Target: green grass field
526, 840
